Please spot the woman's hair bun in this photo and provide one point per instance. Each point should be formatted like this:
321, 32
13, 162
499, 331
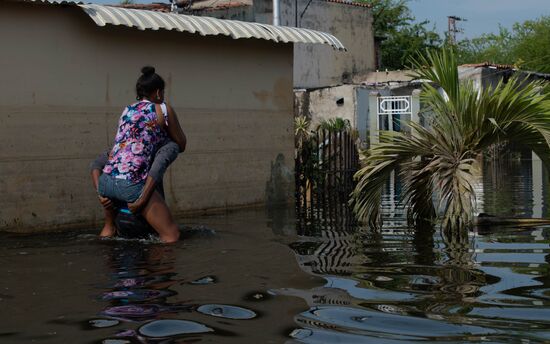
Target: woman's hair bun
148, 70
148, 83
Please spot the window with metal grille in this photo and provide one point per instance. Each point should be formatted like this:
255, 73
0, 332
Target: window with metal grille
394, 112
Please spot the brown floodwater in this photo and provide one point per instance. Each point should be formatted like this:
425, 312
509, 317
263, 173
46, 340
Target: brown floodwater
222, 278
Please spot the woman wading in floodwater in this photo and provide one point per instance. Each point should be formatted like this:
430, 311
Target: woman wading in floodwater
143, 128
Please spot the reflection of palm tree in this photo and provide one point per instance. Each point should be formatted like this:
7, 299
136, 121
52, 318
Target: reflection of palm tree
442, 159
459, 280
457, 247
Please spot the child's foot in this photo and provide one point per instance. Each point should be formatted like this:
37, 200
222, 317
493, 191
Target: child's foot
107, 232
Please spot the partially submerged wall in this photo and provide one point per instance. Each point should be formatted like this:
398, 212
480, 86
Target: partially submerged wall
66, 81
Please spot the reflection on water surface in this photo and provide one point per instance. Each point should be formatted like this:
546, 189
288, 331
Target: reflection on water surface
214, 286
256, 280
401, 285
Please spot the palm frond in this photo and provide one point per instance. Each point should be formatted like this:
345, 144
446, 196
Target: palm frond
334, 124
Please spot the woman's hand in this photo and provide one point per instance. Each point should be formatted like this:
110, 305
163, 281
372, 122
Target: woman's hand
135, 207
106, 202
148, 189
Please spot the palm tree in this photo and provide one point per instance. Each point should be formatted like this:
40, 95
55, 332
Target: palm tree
334, 124
441, 160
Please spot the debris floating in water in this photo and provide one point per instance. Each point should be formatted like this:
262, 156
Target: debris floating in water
257, 296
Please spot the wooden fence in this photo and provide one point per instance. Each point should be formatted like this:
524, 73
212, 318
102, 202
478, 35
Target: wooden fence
325, 164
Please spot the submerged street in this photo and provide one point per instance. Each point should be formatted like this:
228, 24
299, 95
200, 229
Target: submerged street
248, 277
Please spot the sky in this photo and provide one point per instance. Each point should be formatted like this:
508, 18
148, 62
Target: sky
483, 16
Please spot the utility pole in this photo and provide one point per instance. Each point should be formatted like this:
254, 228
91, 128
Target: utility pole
453, 29
276, 12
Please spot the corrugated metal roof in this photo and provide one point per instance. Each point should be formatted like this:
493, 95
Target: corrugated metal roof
204, 26
506, 67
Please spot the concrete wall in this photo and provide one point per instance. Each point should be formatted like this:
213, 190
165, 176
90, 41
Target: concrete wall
243, 13
65, 82
321, 66
263, 11
327, 103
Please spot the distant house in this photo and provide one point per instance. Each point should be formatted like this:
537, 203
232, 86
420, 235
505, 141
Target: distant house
70, 70
485, 73
387, 99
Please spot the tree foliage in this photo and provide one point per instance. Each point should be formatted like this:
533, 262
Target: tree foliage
441, 161
400, 36
527, 46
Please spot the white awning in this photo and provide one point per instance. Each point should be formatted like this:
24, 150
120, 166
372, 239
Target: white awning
205, 26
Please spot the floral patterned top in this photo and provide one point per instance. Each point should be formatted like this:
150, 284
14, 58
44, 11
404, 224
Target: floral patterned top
138, 138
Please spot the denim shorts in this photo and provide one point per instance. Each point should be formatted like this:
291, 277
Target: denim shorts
119, 189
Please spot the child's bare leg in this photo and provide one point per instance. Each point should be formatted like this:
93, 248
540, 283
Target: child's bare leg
109, 228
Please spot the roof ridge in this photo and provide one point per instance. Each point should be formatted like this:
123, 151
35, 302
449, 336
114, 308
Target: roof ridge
351, 3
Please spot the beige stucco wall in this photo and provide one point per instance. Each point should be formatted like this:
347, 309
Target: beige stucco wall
65, 82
